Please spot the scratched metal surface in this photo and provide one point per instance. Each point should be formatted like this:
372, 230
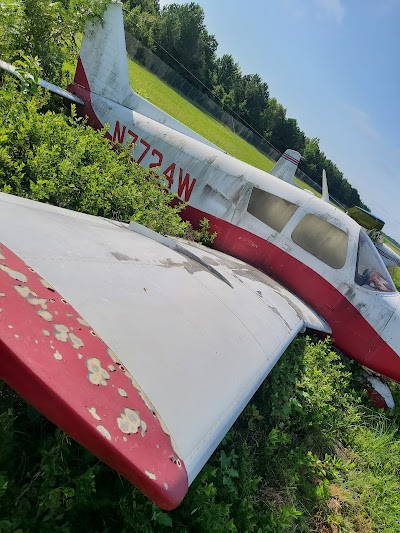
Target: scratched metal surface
198, 345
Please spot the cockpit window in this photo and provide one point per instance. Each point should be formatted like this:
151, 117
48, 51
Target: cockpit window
371, 272
270, 209
322, 239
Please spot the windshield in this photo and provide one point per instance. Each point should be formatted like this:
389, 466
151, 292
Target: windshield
371, 272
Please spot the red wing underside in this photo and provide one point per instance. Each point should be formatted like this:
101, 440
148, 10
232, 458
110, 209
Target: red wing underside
53, 358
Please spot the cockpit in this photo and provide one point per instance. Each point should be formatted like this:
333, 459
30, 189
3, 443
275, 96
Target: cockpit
371, 272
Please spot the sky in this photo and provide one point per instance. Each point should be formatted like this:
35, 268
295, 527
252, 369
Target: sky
335, 66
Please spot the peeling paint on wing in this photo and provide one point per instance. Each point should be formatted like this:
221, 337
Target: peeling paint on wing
104, 432
45, 315
150, 475
119, 403
2, 257
82, 322
166, 485
76, 341
1, 310
135, 384
14, 274
30, 296
46, 284
113, 356
121, 257
92, 411
61, 332
129, 421
97, 375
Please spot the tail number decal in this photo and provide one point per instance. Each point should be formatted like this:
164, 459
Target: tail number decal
185, 182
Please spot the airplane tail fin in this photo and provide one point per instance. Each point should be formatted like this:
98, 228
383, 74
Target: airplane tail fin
102, 64
286, 166
325, 191
102, 73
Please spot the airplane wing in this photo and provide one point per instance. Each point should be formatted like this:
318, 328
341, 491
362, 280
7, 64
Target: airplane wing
144, 348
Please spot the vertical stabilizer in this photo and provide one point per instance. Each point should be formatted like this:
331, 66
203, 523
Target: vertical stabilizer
102, 74
325, 191
286, 166
103, 64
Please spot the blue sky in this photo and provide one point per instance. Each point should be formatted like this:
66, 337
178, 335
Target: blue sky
334, 65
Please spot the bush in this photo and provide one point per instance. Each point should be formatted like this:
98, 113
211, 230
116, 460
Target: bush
56, 159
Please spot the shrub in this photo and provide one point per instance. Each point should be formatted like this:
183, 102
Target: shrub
56, 159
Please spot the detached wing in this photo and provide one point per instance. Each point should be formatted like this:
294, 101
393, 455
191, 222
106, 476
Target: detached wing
144, 349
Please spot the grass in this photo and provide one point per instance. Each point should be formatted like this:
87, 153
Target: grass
167, 99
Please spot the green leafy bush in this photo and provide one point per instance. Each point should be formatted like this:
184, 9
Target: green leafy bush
286, 465
54, 158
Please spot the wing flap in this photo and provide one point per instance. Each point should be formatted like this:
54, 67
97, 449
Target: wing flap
187, 323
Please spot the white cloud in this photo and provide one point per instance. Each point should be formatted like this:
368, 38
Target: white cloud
362, 122
333, 9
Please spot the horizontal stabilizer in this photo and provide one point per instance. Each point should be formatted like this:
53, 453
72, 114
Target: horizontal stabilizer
45, 84
144, 348
366, 219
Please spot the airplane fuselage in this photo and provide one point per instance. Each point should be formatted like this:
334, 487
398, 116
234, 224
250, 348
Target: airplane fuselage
311, 247
220, 188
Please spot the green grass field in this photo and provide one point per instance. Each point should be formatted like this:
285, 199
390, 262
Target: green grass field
167, 99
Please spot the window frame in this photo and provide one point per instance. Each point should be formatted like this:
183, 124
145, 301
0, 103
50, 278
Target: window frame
276, 228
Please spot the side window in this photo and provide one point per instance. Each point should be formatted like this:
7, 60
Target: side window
322, 239
270, 209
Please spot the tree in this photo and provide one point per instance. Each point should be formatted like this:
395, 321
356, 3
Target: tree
254, 92
181, 32
45, 29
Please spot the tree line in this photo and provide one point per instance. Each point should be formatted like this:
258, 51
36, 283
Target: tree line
179, 36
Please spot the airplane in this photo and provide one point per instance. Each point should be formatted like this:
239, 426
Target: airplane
144, 348
373, 225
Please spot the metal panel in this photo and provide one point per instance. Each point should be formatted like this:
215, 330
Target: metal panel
198, 344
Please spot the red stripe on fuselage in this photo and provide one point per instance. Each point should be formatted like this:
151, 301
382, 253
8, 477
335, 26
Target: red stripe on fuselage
351, 332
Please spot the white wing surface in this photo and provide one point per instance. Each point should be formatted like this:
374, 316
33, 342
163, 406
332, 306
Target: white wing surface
198, 330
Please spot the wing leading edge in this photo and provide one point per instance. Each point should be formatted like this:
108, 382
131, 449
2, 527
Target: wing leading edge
180, 338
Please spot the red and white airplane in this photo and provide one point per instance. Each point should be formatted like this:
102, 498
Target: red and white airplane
144, 348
